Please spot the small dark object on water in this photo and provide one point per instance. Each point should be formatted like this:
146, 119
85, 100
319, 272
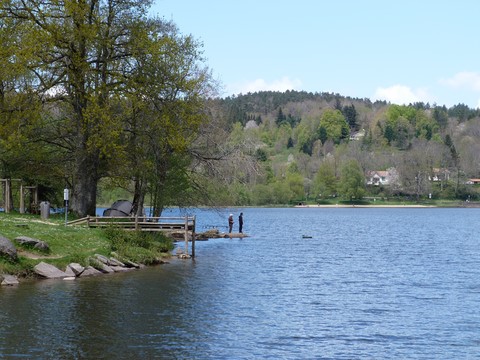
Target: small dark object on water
307, 236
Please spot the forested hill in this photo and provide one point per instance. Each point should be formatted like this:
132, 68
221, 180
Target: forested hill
242, 107
307, 144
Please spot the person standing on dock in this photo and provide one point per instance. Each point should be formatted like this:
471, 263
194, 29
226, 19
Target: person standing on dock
230, 223
240, 223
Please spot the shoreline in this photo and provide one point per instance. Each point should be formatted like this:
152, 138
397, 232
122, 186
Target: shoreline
365, 206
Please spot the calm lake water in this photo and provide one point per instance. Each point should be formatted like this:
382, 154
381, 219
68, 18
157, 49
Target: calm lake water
368, 284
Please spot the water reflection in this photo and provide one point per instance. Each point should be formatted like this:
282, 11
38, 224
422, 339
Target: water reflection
370, 283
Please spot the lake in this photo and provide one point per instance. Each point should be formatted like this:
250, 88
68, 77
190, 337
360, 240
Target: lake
367, 283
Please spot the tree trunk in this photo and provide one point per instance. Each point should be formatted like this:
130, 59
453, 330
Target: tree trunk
84, 196
138, 197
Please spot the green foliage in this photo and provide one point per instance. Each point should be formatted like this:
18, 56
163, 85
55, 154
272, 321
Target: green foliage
23, 267
352, 181
296, 186
350, 114
144, 247
134, 94
261, 155
325, 183
335, 125
462, 112
322, 134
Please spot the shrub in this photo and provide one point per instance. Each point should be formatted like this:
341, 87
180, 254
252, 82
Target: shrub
138, 246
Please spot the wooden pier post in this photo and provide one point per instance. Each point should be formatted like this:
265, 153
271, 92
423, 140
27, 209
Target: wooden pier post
186, 235
193, 238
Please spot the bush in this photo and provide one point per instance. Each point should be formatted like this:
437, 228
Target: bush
144, 247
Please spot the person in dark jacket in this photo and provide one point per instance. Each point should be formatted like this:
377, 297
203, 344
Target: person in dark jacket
240, 223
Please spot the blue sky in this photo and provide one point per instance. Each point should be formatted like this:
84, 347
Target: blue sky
399, 51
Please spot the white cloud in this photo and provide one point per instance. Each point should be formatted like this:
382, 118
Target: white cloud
465, 79
401, 95
282, 84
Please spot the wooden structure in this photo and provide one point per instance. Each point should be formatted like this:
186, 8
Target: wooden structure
8, 197
144, 223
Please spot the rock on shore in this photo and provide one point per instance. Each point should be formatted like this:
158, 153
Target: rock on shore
100, 265
7, 249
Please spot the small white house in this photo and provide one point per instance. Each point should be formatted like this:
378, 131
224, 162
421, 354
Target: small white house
382, 177
439, 174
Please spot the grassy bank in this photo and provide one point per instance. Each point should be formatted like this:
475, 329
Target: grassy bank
76, 243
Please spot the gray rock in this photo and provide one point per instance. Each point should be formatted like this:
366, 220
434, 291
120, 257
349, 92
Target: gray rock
131, 264
7, 249
121, 268
49, 271
90, 271
102, 258
100, 266
69, 272
76, 268
42, 246
115, 262
33, 243
9, 280
106, 269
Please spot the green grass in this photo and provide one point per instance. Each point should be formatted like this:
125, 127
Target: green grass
73, 243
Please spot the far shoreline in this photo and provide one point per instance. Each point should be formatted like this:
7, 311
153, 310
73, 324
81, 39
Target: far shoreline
366, 206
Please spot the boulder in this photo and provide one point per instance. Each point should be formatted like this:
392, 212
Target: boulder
106, 269
8, 280
33, 243
7, 249
100, 265
102, 259
49, 271
90, 271
42, 246
121, 268
76, 268
115, 262
131, 264
69, 272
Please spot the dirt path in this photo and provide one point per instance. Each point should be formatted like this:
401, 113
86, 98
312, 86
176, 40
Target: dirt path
36, 256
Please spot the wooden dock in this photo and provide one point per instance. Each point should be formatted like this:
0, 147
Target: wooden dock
144, 223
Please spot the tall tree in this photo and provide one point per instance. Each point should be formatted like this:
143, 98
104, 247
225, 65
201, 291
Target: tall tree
455, 159
103, 67
335, 125
350, 114
325, 182
352, 180
77, 53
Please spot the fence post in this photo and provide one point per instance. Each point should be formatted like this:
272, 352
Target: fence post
193, 237
186, 235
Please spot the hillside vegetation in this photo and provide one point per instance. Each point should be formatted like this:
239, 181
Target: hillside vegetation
298, 146
107, 100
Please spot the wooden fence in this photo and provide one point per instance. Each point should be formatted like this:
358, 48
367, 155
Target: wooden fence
144, 223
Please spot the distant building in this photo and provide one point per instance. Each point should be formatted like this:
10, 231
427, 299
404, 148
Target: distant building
472, 182
439, 174
358, 135
382, 177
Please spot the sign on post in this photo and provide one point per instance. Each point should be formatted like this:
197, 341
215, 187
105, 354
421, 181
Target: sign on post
65, 200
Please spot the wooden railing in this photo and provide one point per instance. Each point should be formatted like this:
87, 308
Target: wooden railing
143, 223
